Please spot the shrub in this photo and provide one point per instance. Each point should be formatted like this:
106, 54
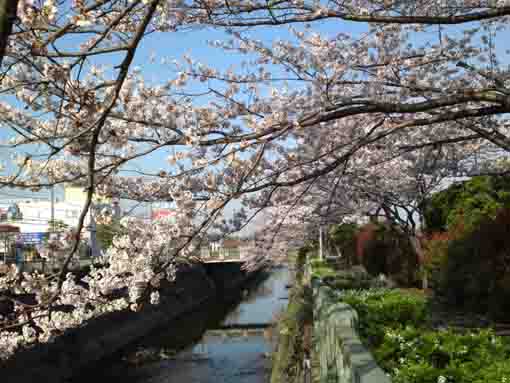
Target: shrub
417, 356
393, 324
468, 203
343, 237
321, 269
438, 207
498, 372
435, 248
106, 232
353, 278
379, 309
476, 273
481, 198
388, 251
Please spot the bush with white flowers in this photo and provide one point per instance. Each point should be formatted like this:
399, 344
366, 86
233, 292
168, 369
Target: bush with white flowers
412, 352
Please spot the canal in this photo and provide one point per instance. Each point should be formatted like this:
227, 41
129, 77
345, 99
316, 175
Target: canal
221, 342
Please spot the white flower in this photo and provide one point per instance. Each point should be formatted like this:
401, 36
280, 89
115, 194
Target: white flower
154, 298
133, 307
83, 22
441, 379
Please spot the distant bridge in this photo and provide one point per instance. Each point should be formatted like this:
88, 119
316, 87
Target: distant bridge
223, 261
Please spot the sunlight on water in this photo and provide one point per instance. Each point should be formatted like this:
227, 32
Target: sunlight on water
215, 347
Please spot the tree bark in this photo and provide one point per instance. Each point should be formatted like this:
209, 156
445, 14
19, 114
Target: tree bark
8, 9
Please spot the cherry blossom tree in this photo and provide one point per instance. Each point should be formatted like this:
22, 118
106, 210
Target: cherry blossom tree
422, 77
313, 127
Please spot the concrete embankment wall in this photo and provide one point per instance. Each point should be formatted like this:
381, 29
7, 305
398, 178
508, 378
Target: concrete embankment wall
105, 335
226, 276
342, 356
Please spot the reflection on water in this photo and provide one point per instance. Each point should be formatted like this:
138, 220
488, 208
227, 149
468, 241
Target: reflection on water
261, 306
216, 359
206, 353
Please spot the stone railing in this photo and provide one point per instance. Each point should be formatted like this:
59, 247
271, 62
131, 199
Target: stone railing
341, 354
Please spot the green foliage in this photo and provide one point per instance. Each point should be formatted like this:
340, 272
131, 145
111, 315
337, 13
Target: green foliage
494, 373
481, 198
436, 257
414, 355
439, 206
393, 324
475, 273
467, 203
343, 233
287, 363
379, 309
321, 269
344, 238
390, 252
353, 278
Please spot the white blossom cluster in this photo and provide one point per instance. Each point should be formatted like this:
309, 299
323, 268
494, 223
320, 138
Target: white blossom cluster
137, 262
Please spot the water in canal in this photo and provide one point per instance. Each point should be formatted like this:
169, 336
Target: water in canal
217, 344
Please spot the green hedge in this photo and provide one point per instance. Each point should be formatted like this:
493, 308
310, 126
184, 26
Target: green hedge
379, 308
321, 269
393, 323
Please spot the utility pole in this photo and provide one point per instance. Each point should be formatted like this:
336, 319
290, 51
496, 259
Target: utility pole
52, 197
51, 229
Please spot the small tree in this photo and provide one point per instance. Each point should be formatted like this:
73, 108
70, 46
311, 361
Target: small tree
343, 238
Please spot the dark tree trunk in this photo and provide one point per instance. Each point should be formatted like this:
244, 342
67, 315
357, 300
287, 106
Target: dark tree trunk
8, 9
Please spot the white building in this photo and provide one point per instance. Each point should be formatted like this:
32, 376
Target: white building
34, 218
37, 215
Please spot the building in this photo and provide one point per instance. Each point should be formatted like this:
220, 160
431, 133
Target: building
37, 215
78, 194
33, 217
